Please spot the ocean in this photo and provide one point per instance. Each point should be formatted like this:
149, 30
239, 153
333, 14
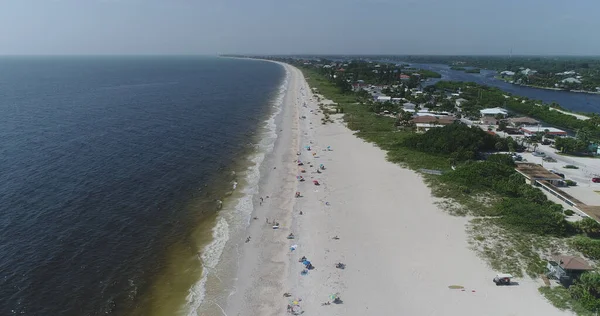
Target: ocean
112, 172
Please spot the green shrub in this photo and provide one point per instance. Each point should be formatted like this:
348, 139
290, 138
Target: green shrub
586, 290
569, 213
570, 183
478, 175
588, 226
458, 141
529, 217
587, 246
502, 159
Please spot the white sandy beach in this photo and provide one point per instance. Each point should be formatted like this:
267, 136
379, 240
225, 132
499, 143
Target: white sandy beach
401, 251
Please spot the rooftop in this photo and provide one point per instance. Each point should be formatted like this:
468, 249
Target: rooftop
535, 172
442, 120
572, 263
523, 120
493, 111
592, 211
542, 129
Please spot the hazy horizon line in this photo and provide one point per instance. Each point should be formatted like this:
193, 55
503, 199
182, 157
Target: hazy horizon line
286, 55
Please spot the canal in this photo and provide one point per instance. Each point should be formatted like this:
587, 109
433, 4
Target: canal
572, 101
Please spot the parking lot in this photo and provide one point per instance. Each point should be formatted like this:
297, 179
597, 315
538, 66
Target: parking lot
586, 191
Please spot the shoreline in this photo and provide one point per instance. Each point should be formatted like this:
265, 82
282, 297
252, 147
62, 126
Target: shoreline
264, 249
179, 288
209, 297
547, 88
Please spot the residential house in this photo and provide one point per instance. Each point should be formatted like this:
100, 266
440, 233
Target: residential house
571, 80
566, 268
522, 121
567, 73
404, 77
493, 112
383, 98
358, 86
489, 120
528, 72
409, 105
424, 123
532, 130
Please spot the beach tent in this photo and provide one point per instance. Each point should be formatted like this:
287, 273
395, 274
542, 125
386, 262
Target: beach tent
294, 306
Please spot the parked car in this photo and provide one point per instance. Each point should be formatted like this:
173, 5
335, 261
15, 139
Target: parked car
539, 154
549, 159
596, 180
503, 279
516, 157
562, 175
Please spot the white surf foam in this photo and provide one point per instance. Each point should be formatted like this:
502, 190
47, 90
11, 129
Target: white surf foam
240, 215
210, 258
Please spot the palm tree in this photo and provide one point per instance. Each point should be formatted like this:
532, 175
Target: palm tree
589, 226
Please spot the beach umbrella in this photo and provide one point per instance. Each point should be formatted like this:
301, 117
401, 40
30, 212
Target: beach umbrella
333, 297
305, 262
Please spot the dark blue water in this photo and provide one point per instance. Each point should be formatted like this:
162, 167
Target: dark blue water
99, 157
577, 102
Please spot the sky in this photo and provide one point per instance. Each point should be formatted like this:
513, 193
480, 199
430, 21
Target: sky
208, 27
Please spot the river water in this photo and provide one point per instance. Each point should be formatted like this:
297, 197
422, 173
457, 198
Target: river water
572, 101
